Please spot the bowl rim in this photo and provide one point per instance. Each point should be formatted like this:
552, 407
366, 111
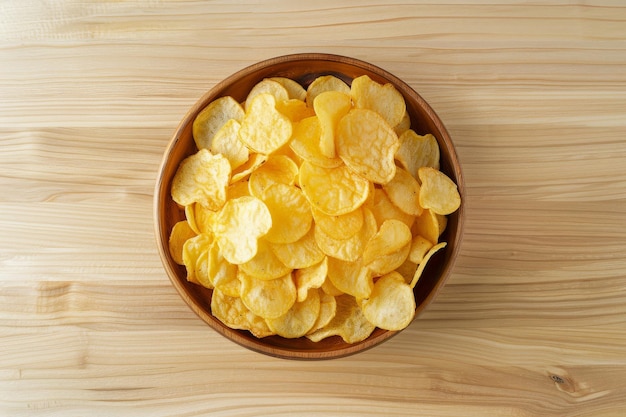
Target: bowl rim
214, 92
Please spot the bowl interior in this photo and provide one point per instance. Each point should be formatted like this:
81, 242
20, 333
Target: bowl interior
303, 68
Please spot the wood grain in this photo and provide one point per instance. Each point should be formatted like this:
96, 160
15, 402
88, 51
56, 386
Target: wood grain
531, 323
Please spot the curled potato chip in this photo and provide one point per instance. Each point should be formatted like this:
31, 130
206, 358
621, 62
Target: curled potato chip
212, 118
403, 191
277, 169
305, 142
389, 262
290, 212
391, 236
383, 99
349, 323
233, 313
200, 218
404, 125
269, 299
328, 309
221, 273
422, 264
348, 249
295, 110
181, 232
419, 247
427, 226
383, 209
330, 107
238, 227
264, 129
302, 253
265, 264
226, 142
322, 84
352, 278
299, 319
417, 151
438, 192
201, 178
267, 86
367, 145
391, 305
310, 277
192, 250
254, 162
334, 191
294, 89
407, 270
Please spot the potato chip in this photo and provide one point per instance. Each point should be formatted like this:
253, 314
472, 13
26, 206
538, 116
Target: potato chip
438, 192
269, 299
239, 225
294, 89
221, 273
419, 247
238, 189
339, 227
330, 107
200, 218
417, 151
322, 84
391, 305
422, 264
264, 129
367, 145
328, 309
265, 264
403, 191
226, 142
213, 117
329, 288
202, 270
254, 162
305, 142
383, 209
352, 278
348, 249
389, 262
383, 99
290, 212
179, 235
334, 191
443, 222
407, 270
391, 236
302, 253
295, 110
267, 86
310, 277
404, 125
427, 226
299, 319
192, 249
233, 313
277, 169
201, 178
349, 323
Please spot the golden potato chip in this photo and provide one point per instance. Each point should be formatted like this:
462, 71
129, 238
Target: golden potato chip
348, 249
403, 126
269, 299
267, 86
403, 191
294, 89
299, 319
443, 223
192, 249
238, 227
322, 84
339, 227
334, 191
221, 273
383, 99
265, 264
302, 253
383, 209
290, 212
179, 235
328, 309
200, 218
352, 278
438, 192
422, 264
391, 236
277, 169
264, 129
233, 313
389, 262
254, 162
310, 277
419, 247
417, 151
295, 110
212, 118
201, 178
238, 189
349, 323
407, 270
329, 288
427, 226
305, 142
367, 145
391, 305
202, 270
226, 142
330, 107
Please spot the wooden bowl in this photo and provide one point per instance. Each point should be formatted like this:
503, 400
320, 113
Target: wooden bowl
303, 68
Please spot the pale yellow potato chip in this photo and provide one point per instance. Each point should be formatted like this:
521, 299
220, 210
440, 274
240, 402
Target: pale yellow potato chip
383, 209
348, 249
295, 110
334, 191
233, 313
290, 212
299, 319
404, 125
202, 270
221, 273
192, 249
389, 262
391, 305
416, 151
391, 236
302, 253
383, 99
267, 86
277, 169
339, 227
403, 191
419, 247
438, 192
226, 142
180, 233
264, 129
322, 84
294, 89
427, 226
329, 288
238, 227
305, 142
330, 107
200, 218
352, 278
310, 277
265, 264
268, 298
201, 178
424, 262
328, 309
367, 145
238, 189
254, 162
349, 323
212, 118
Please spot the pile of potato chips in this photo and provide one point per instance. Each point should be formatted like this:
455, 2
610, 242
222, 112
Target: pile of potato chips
311, 212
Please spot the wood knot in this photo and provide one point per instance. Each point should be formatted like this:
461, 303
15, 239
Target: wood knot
557, 379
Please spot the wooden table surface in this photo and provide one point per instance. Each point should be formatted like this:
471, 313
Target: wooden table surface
531, 323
